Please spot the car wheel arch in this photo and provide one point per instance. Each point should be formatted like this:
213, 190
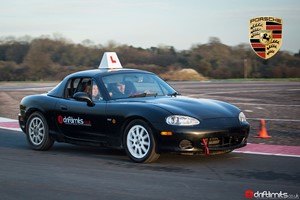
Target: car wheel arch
132, 118
32, 110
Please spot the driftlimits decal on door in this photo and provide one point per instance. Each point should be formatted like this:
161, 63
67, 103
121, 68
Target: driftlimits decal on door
77, 121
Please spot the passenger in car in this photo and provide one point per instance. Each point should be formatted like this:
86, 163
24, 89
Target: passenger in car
116, 90
130, 88
121, 89
88, 88
95, 93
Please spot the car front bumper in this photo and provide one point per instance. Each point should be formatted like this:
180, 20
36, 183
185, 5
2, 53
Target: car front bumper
21, 122
204, 141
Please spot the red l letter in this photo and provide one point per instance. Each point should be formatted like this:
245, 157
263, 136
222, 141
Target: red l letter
112, 60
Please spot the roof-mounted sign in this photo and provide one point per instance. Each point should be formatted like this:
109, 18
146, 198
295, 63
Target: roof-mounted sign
110, 60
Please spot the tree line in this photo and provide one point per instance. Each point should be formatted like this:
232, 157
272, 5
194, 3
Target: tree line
47, 58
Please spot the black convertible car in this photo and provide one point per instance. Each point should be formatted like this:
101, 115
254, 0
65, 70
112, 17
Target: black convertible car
133, 110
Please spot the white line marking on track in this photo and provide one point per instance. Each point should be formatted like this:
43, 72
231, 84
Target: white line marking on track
281, 120
265, 104
266, 154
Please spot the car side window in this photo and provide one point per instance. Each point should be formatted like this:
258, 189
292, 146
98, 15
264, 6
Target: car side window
71, 88
77, 85
87, 85
84, 85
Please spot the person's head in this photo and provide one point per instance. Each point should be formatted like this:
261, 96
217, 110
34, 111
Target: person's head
95, 90
88, 88
121, 87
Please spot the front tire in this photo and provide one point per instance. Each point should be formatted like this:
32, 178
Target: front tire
139, 142
37, 132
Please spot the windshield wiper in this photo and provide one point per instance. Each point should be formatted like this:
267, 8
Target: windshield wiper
138, 95
143, 95
174, 94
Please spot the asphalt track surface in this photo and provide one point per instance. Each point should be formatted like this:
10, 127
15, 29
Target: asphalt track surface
76, 172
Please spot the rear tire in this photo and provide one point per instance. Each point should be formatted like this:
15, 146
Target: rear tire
139, 142
37, 132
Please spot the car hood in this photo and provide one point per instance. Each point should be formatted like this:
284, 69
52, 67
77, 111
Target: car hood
199, 108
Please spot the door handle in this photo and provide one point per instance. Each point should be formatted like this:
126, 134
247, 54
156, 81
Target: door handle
63, 107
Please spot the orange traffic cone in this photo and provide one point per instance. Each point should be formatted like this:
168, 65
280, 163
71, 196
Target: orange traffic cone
262, 132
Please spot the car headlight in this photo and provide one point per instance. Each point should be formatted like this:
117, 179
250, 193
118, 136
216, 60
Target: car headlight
180, 120
242, 117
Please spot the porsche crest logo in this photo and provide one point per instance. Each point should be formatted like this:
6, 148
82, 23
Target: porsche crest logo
265, 36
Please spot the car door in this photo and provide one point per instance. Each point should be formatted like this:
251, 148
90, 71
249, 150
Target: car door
77, 119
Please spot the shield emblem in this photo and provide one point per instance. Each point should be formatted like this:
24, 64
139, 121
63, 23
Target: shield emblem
265, 36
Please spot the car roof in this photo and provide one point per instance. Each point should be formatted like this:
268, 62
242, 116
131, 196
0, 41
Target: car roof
104, 72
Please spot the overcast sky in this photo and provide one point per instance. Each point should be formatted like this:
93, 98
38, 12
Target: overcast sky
146, 23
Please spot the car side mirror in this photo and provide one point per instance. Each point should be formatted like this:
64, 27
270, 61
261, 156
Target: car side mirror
82, 96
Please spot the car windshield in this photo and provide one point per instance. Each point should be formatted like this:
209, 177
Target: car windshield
133, 85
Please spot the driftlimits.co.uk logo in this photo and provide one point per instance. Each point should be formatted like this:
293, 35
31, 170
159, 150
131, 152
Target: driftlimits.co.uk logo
73, 121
